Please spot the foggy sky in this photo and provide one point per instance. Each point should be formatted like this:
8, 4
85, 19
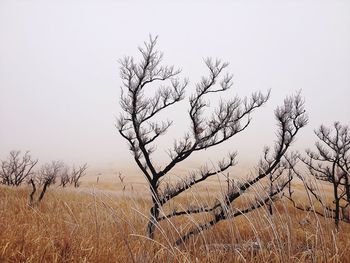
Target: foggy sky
59, 75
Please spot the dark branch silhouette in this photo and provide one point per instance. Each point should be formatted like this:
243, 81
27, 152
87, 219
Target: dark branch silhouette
77, 173
16, 169
330, 163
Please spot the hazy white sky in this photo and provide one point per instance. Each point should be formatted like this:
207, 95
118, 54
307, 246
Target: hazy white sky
59, 76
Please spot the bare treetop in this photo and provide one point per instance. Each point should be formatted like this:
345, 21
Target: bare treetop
136, 126
333, 152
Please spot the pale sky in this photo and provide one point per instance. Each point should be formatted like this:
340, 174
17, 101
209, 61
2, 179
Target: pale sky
60, 84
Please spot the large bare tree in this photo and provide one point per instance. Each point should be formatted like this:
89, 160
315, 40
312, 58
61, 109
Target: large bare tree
229, 118
16, 169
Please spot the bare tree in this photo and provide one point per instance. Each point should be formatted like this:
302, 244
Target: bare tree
45, 177
121, 179
16, 169
330, 163
138, 127
77, 173
65, 176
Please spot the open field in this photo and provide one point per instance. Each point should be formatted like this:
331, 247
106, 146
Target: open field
95, 225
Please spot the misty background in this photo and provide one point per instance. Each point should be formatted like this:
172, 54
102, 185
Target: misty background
60, 84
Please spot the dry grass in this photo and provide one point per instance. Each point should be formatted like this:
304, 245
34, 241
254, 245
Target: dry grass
86, 226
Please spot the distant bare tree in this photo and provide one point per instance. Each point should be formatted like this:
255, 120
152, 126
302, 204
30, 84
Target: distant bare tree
121, 179
231, 117
45, 177
77, 173
331, 163
16, 169
65, 176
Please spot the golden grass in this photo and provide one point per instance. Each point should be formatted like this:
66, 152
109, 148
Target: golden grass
85, 226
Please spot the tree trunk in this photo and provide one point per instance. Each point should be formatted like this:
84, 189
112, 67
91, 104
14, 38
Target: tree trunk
154, 211
43, 191
270, 209
337, 203
271, 190
31, 196
347, 188
153, 220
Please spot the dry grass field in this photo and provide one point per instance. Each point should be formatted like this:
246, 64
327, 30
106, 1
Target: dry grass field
93, 225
